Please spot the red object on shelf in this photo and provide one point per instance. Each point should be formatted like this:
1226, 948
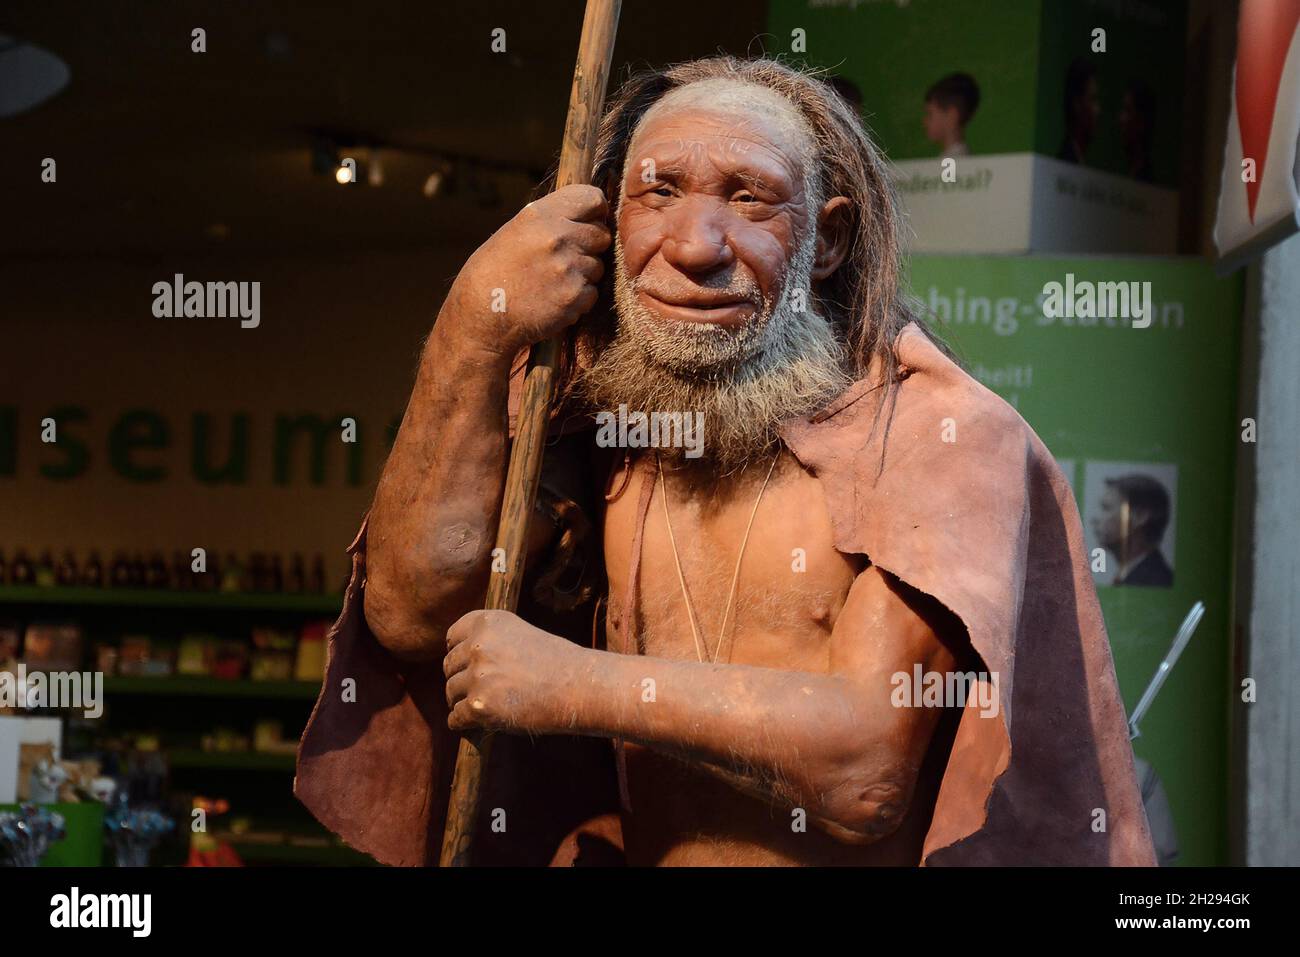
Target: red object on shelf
223, 855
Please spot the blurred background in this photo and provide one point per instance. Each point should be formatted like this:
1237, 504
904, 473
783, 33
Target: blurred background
174, 498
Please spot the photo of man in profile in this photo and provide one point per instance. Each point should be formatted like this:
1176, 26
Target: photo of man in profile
949, 105
1130, 523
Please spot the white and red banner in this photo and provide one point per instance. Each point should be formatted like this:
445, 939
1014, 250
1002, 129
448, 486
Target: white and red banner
1259, 201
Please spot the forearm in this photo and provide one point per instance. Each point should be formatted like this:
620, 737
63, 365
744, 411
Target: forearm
804, 740
433, 522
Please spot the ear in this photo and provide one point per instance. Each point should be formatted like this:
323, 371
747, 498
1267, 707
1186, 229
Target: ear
1139, 521
833, 235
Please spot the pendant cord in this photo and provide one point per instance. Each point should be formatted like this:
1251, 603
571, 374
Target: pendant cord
700, 647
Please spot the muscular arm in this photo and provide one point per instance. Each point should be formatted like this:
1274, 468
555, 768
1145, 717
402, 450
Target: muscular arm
433, 522
434, 516
832, 744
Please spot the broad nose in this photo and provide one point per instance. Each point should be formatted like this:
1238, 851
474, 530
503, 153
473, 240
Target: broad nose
697, 240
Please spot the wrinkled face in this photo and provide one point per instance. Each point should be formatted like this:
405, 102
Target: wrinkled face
715, 213
719, 242
711, 201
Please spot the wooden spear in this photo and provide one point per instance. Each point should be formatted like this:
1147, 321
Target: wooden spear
577, 156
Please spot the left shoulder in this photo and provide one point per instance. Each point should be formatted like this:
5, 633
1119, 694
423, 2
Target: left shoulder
942, 452
934, 385
984, 443
938, 415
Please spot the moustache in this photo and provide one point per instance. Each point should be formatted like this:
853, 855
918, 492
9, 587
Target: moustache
737, 288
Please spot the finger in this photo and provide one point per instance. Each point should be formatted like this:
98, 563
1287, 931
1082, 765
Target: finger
463, 717
590, 238
457, 687
580, 203
460, 718
590, 268
583, 303
456, 660
464, 627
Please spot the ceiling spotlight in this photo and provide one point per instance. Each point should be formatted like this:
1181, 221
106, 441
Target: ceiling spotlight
433, 184
346, 172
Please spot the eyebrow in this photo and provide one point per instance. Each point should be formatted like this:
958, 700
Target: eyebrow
754, 180
676, 171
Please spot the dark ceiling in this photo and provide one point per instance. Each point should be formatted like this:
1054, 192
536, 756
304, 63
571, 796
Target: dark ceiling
163, 150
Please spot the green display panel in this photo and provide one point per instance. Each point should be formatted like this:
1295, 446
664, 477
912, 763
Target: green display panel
894, 52
1112, 401
1136, 86
1095, 83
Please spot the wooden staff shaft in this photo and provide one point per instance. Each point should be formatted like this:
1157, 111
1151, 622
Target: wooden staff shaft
577, 156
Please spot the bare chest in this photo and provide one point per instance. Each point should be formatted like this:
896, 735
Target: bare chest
706, 590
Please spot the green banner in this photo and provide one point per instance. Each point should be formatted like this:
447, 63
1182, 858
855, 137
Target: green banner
1144, 415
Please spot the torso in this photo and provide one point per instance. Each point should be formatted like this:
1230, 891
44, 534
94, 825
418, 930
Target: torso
782, 617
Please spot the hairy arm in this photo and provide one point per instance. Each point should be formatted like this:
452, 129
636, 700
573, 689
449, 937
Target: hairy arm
433, 522
833, 744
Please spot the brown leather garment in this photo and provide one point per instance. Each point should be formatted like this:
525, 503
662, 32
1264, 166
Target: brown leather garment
986, 524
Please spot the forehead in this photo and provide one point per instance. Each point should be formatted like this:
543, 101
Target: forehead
731, 122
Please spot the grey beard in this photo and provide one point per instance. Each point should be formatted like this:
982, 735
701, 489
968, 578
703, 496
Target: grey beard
784, 363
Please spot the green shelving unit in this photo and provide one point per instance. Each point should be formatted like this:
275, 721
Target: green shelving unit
259, 784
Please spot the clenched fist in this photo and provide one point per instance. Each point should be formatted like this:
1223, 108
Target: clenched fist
503, 674
536, 275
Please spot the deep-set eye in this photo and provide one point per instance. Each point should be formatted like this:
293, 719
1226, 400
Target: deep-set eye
744, 197
662, 191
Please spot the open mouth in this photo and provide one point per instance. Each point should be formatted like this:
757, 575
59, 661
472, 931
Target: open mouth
721, 312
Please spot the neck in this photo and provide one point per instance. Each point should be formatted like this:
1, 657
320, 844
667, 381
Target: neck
705, 481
